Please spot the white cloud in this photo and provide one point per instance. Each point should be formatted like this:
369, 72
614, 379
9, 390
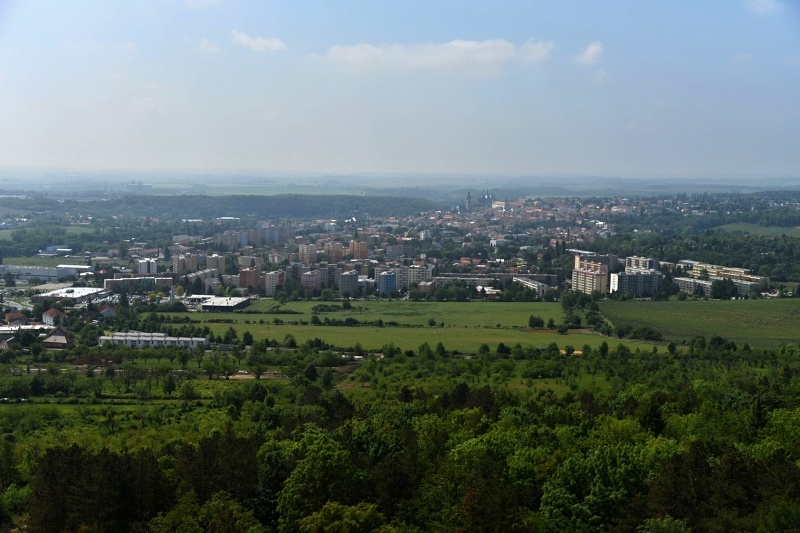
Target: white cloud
763, 7
259, 44
793, 61
590, 54
207, 47
457, 53
536, 51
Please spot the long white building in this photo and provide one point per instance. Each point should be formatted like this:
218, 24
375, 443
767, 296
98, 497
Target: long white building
139, 339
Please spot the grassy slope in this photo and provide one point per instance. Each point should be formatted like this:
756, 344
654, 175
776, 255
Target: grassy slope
760, 323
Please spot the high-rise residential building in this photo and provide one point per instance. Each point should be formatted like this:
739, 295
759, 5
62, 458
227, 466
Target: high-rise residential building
610, 261
182, 264
386, 282
294, 270
216, 261
633, 263
335, 251
692, 285
208, 276
588, 276
248, 261
308, 254
330, 275
641, 277
146, 266
250, 277
359, 250
311, 280
273, 281
408, 276
270, 234
348, 283
637, 283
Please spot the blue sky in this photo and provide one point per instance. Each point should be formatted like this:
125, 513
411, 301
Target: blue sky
611, 88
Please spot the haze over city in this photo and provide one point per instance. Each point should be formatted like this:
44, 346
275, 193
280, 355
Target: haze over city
679, 89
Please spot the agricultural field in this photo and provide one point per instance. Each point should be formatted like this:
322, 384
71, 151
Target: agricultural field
765, 231
461, 326
759, 323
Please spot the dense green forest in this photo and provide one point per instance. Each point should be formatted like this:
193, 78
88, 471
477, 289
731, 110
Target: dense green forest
701, 438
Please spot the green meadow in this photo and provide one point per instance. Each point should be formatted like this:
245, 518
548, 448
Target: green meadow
759, 323
461, 326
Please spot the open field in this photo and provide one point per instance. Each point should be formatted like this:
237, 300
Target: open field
766, 231
78, 230
467, 325
759, 323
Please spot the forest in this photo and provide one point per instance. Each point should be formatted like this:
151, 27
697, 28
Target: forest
695, 438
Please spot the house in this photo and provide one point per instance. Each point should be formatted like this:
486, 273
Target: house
59, 330
16, 319
7, 341
54, 317
107, 311
57, 340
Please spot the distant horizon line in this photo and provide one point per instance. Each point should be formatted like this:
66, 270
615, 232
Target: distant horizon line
311, 174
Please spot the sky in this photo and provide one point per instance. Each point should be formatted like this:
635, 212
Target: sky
622, 88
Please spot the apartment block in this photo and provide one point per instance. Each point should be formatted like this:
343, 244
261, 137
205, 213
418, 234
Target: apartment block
308, 254
273, 281
146, 266
697, 270
330, 275
637, 283
209, 277
294, 270
311, 280
216, 261
184, 263
249, 261
348, 282
250, 277
334, 251
692, 285
588, 276
359, 250
641, 263
386, 282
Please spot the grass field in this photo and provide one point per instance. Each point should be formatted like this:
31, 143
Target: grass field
759, 323
766, 231
466, 325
